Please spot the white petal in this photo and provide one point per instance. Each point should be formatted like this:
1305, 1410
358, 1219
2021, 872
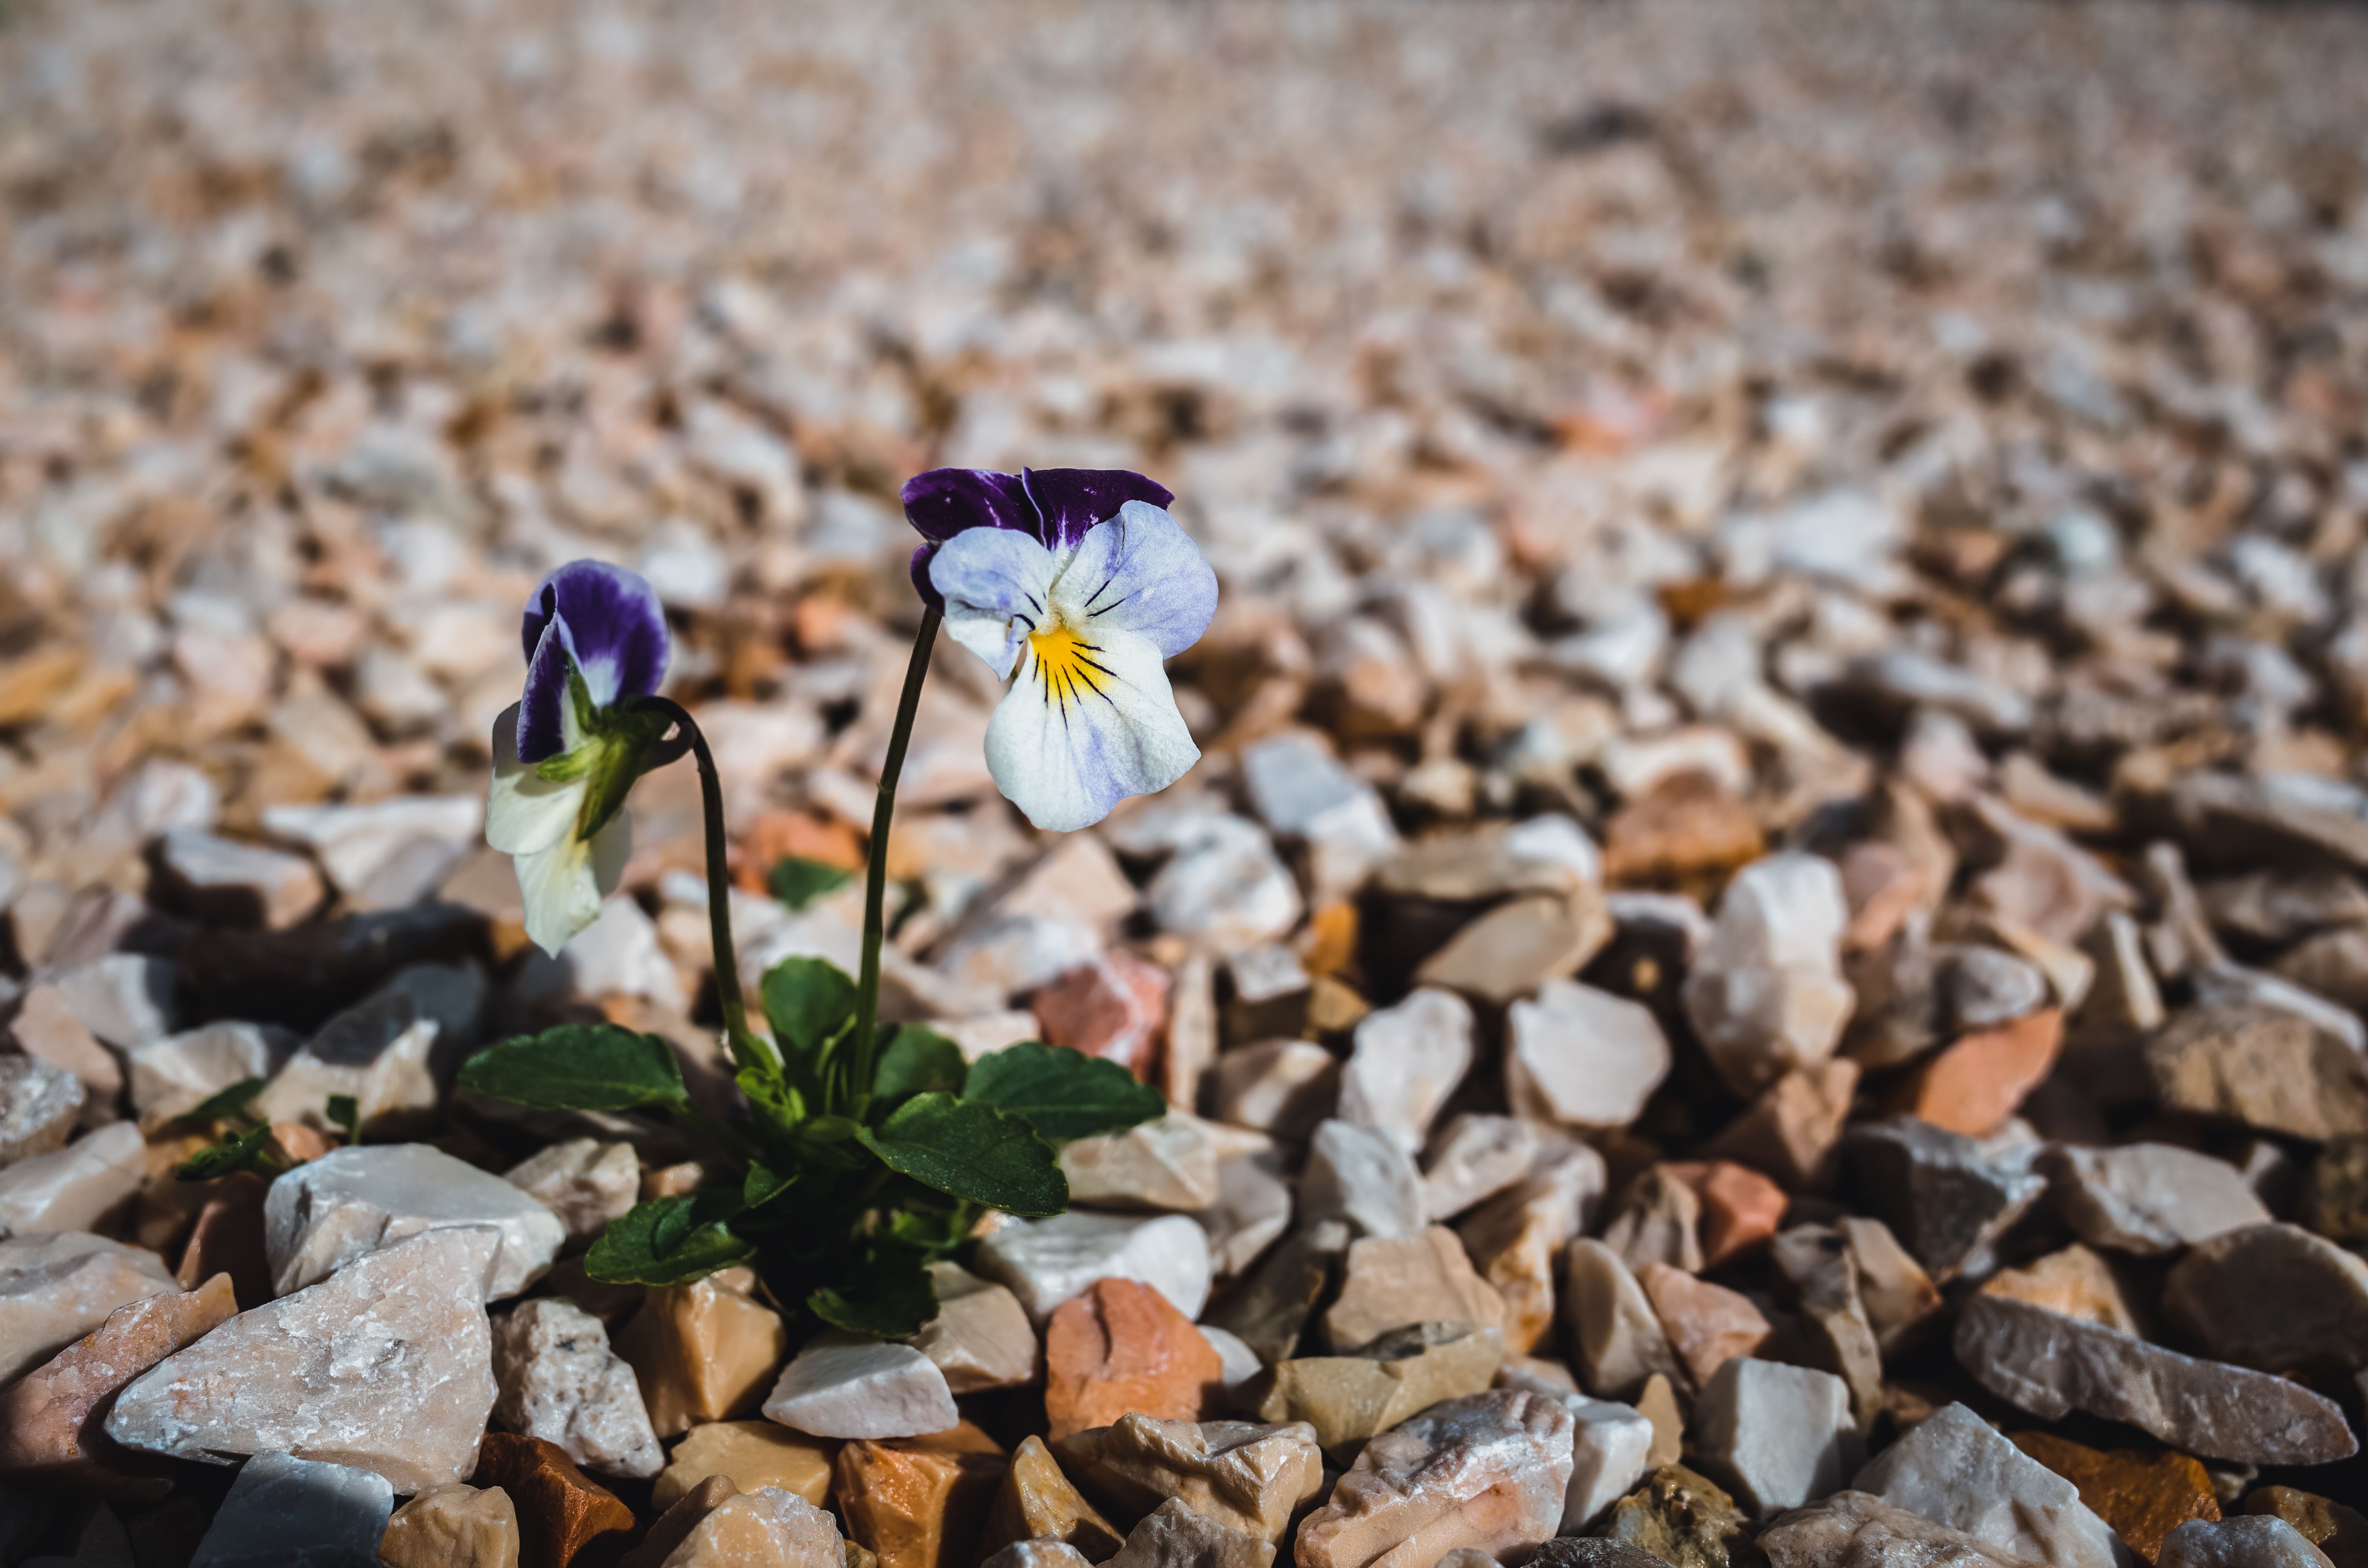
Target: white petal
1065, 751
524, 811
1138, 572
994, 582
563, 884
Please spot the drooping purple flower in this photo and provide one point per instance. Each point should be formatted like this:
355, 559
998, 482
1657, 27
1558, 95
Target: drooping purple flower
604, 622
1055, 507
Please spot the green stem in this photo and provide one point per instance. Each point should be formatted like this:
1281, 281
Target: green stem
875, 894
747, 1051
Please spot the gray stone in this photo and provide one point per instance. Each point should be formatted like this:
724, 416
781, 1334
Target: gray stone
1253, 1208
75, 1187
2148, 1197
1616, 1336
2050, 1365
2265, 1067
175, 1074
1954, 1470
1590, 1551
1982, 987
560, 1382
284, 1512
1270, 1310
38, 1106
1777, 1436
2276, 908
1937, 1190
1473, 1157
2273, 1297
320, 1217
1302, 791
2251, 1540
1173, 1536
1815, 1262
1362, 1176
1852, 1529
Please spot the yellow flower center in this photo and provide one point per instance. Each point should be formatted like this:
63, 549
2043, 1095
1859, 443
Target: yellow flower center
1068, 666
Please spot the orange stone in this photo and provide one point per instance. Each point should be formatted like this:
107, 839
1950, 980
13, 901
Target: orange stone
1975, 1083
1687, 826
301, 1142
1708, 1324
920, 1502
775, 835
703, 1352
2144, 1496
228, 1239
1740, 1207
1329, 943
1114, 1007
46, 1428
565, 1519
1036, 1502
1123, 1346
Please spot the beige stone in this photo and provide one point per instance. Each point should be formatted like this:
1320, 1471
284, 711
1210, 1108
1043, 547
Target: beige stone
768, 1529
75, 1187
45, 1425
1515, 1238
1659, 1221
584, 1181
1279, 1086
47, 1029
1036, 1502
1348, 1398
1791, 1131
1508, 951
703, 1352
1489, 1472
55, 1289
674, 1525
981, 1337
2073, 1280
1618, 1336
1245, 1476
560, 1380
1707, 1324
749, 1454
1658, 1403
1393, 1281
1897, 1294
1168, 1164
453, 1526
1174, 1536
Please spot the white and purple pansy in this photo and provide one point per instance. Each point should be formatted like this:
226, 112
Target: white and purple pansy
1078, 584
565, 754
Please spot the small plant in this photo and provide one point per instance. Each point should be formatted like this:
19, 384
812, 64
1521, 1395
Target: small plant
867, 1150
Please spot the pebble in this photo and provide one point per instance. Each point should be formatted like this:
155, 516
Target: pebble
38, 1106
2148, 1198
1173, 1536
1347, 1399
2073, 1281
56, 1288
1584, 1552
1302, 791
225, 883
2338, 1532
1548, 854
702, 1352
2255, 1541
1406, 1062
1473, 1157
46, 1430
1364, 1176
2049, 1365
682, 1515
1815, 1263
558, 1380
1659, 1221
1270, 1309
1254, 1201
1611, 1445
178, 1073
46, 1029
1514, 1239
1047, 1262
843, 1385
1616, 1333
2334, 1199
1707, 1324
1121, 1346
1035, 1554
1037, 1503
1977, 1082
2260, 1066
1111, 1006
286, 1510
918, 1502
584, 1181
455, 1526
1581, 1057
748, 1454
764, 1529
1518, 946
387, 1363
2140, 1495
322, 1215
1766, 993
380, 1053
1279, 1086
981, 1337
386, 852
1954, 1470
1245, 1476
1854, 1529
1939, 1192
1778, 1435
126, 999
1392, 1282
2273, 1297
563, 1516
1490, 1470
1169, 1163
75, 1187
1683, 1519
1740, 1209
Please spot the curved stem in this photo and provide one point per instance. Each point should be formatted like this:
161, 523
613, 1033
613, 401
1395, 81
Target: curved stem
747, 1051
875, 892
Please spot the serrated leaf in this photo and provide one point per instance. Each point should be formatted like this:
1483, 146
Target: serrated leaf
578, 1067
973, 1151
254, 1150
797, 881
669, 1241
1061, 1093
887, 1294
227, 1106
915, 1062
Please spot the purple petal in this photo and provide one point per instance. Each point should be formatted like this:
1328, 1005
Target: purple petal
921, 584
948, 501
1071, 500
541, 721
614, 629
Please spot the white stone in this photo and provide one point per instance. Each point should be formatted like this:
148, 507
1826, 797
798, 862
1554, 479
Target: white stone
1766, 993
55, 1289
1475, 1156
584, 1181
1775, 1436
387, 1365
2251, 1540
1225, 888
1046, 1262
1170, 1163
1280, 1086
1008, 954
769, 1527
357, 844
320, 1217
1302, 791
380, 1052
558, 1380
180, 1072
1407, 1060
1582, 1057
1253, 1208
74, 1188
220, 878
1361, 1176
618, 955
1952, 1469
981, 1337
2149, 1197
126, 999
1610, 1448
1554, 839
1240, 1362
1617, 1334
283, 1512
845, 1385
39, 1105
1491, 1471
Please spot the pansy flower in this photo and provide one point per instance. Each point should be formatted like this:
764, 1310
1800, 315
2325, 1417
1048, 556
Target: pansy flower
1078, 584
568, 751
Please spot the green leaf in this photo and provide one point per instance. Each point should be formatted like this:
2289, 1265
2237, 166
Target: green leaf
1061, 1093
764, 1184
809, 1002
578, 1067
914, 1061
971, 1151
230, 1104
797, 881
344, 1112
669, 1241
254, 1150
887, 1293
935, 1231
778, 1106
